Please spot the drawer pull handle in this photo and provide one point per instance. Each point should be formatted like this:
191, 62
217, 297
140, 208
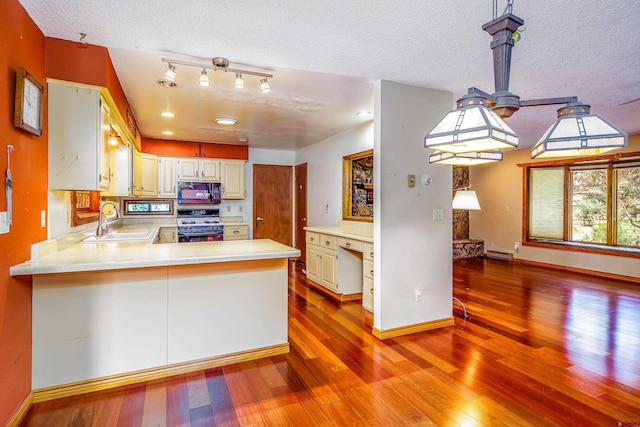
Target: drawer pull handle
371, 272
348, 244
371, 290
311, 239
236, 231
371, 255
327, 243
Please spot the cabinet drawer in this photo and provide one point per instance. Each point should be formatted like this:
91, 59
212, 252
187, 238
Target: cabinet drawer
328, 242
367, 268
354, 245
313, 238
238, 231
367, 251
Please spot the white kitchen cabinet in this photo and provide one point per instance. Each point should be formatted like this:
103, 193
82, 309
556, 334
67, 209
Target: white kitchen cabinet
121, 167
233, 183
79, 126
149, 174
137, 173
341, 264
236, 231
198, 169
168, 235
167, 176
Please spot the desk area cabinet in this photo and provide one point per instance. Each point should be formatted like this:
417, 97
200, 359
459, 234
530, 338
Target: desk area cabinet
341, 265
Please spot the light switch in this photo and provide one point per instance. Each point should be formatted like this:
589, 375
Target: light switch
437, 214
4, 227
43, 219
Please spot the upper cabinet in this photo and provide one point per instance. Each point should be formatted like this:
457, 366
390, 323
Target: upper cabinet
167, 176
79, 126
198, 169
233, 186
149, 174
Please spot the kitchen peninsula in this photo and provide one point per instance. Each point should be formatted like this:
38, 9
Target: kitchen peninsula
108, 314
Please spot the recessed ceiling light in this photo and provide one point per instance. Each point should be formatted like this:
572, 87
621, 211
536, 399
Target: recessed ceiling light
168, 114
167, 132
364, 113
226, 120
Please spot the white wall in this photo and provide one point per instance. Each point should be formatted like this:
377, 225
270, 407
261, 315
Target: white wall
324, 172
412, 250
499, 223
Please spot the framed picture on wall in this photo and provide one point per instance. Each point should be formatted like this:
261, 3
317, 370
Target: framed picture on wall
28, 103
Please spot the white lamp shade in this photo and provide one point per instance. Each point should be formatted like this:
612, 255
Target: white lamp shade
579, 135
466, 200
472, 128
465, 159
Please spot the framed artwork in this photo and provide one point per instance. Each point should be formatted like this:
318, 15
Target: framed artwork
357, 190
28, 103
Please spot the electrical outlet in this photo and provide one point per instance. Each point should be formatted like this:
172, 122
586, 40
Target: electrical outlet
4, 227
240, 208
228, 208
418, 294
437, 214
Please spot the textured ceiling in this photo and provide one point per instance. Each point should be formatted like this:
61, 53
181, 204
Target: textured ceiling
324, 56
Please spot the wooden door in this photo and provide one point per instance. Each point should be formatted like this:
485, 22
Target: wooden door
301, 210
272, 208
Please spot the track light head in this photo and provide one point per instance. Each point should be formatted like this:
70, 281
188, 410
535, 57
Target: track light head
204, 78
264, 86
170, 73
239, 81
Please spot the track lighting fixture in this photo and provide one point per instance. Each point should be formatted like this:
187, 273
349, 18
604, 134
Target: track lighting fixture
204, 78
217, 64
476, 125
264, 86
170, 73
239, 81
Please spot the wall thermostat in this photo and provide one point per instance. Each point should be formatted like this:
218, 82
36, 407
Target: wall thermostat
426, 180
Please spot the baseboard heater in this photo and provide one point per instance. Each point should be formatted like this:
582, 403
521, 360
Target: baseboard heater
505, 256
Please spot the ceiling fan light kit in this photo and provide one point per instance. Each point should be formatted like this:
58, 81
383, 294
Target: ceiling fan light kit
477, 126
217, 64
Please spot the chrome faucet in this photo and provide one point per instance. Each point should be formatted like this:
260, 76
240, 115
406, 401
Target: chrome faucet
103, 228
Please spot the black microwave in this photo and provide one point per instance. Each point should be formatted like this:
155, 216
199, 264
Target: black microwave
199, 193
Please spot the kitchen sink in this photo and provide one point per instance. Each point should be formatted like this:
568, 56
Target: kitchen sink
117, 235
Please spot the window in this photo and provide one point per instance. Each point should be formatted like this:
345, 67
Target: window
590, 204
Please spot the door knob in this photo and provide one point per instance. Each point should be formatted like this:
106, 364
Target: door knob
259, 218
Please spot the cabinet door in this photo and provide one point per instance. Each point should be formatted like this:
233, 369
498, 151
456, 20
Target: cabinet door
167, 177
168, 235
137, 173
367, 293
103, 157
209, 170
233, 186
75, 139
121, 167
188, 169
312, 263
328, 269
149, 174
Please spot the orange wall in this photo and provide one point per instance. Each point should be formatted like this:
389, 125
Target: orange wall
169, 147
85, 63
22, 45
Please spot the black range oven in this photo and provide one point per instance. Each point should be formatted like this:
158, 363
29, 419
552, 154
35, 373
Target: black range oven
200, 225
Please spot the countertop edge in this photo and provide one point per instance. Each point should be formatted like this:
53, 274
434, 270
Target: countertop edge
335, 231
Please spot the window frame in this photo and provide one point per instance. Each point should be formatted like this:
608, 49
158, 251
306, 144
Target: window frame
565, 244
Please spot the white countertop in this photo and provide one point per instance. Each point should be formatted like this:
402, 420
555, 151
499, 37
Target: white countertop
336, 231
121, 255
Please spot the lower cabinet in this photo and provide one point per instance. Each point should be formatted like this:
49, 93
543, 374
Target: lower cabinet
168, 235
236, 231
342, 265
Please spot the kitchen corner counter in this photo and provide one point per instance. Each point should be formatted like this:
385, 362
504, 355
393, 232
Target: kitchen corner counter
84, 257
339, 232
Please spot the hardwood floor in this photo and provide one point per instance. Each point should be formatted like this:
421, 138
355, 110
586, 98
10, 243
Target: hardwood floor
540, 348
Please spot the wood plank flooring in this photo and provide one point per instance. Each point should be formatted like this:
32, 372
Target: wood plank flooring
540, 348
